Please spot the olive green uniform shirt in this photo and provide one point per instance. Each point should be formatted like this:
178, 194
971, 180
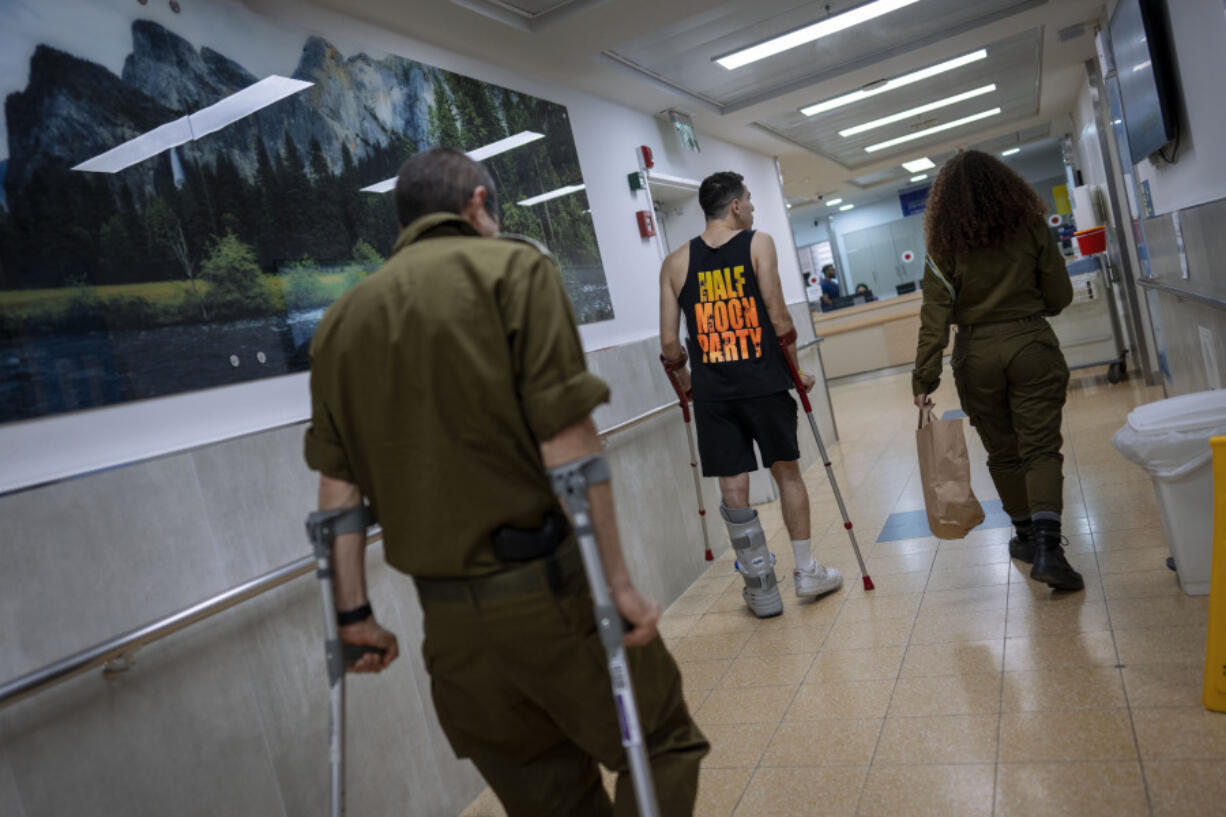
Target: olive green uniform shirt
433, 382
1024, 277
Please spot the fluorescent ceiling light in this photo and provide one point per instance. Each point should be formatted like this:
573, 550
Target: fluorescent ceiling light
1010, 151
814, 31
208, 120
910, 137
916, 165
552, 194
833, 202
476, 154
919, 178
910, 112
524, 137
846, 207
385, 186
897, 82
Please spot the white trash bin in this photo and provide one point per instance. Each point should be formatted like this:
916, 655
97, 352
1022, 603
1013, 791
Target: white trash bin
1170, 440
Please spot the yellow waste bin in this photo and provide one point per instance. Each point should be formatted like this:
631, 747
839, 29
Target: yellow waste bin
1215, 652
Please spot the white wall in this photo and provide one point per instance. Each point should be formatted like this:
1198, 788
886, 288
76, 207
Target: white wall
605, 135
1198, 30
803, 228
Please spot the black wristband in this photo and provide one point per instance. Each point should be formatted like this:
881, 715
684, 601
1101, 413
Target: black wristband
358, 614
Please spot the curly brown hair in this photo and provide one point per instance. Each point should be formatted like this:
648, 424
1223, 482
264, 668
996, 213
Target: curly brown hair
977, 202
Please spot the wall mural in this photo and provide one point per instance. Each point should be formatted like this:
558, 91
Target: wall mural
183, 195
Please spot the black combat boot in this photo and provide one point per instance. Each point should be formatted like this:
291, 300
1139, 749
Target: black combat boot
1021, 546
1050, 566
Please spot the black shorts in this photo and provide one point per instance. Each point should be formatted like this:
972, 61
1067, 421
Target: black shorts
727, 430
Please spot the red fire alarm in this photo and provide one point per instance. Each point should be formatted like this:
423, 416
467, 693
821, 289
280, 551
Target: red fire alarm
647, 225
645, 157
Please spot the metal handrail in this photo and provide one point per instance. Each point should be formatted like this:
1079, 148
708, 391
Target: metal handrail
116, 653
1179, 292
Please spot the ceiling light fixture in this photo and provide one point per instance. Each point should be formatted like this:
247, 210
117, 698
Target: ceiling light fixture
811, 32
480, 154
207, 120
846, 207
1010, 151
916, 165
833, 202
910, 137
910, 112
897, 82
552, 194
919, 178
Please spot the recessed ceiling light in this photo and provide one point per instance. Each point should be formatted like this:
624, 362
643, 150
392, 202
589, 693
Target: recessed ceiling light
476, 154
1010, 151
809, 33
916, 165
897, 82
910, 137
833, 202
846, 207
910, 112
919, 178
552, 194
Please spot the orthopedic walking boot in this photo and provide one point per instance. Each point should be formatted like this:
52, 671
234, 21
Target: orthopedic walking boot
1021, 546
1050, 566
754, 561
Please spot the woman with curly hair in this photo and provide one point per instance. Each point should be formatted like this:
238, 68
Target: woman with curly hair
994, 270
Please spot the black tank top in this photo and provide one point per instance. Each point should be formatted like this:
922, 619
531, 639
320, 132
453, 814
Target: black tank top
733, 350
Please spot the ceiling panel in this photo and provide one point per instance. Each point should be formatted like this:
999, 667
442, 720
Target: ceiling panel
683, 54
532, 8
1012, 64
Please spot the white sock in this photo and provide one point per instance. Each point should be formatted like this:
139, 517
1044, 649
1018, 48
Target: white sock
802, 552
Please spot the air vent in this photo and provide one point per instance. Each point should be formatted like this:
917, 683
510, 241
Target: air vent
1071, 32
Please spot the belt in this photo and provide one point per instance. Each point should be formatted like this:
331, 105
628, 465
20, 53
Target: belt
556, 573
994, 327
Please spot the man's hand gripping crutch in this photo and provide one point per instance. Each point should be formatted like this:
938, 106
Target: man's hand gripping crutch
623, 616
802, 389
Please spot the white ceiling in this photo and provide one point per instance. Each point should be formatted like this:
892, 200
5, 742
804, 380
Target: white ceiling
653, 56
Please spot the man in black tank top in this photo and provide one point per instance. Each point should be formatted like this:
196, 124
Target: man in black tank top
726, 283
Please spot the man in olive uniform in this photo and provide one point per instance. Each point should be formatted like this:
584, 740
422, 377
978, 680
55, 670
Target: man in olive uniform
1011, 378
443, 387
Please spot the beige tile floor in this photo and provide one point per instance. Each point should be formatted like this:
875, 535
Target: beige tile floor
958, 686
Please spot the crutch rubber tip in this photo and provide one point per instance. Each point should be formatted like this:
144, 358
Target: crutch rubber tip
702, 512
847, 525
868, 583
710, 558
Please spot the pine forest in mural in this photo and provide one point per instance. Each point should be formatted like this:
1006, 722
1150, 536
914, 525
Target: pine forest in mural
211, 262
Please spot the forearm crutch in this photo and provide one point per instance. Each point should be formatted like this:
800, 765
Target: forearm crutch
571, 483
322, 529
784, 342
684, 403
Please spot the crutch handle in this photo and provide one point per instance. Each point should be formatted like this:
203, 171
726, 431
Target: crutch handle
671, 366
786, 340
352, 653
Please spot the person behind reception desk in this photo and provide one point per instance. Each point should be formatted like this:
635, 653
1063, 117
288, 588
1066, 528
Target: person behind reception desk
863, 291
830, 288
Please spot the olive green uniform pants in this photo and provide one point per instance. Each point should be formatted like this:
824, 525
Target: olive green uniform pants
521, 686
1012, 381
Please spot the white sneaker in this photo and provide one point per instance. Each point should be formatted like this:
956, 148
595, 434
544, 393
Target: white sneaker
815, 580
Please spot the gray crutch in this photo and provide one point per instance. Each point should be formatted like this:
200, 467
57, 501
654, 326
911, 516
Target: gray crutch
322, 529
790, 337
571, 482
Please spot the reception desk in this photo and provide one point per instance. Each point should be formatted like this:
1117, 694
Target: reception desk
870, 336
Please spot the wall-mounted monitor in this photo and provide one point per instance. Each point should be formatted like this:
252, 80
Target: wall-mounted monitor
1144, 68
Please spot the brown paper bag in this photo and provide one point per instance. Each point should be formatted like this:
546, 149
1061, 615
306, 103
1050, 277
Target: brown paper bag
945, 471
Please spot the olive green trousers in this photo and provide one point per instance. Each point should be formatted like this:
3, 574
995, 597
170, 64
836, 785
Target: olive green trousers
521, 686
1012, 381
